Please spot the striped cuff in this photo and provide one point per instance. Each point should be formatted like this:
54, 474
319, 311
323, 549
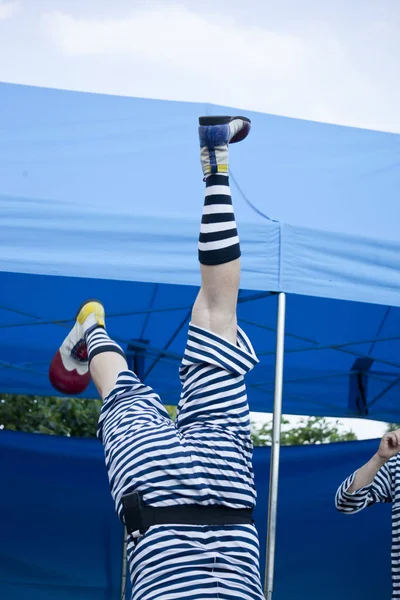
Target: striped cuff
347, 502
98, 341
203, 346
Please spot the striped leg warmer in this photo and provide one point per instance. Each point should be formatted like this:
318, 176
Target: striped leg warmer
218, 241
98, 341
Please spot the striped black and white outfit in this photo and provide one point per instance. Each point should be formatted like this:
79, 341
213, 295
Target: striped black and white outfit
204, 458
384, 488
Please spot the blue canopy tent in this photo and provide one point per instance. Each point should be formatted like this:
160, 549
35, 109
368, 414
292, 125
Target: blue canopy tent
101, 196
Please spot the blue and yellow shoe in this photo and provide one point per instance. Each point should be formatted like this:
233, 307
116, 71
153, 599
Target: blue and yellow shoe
215, 134
69, 369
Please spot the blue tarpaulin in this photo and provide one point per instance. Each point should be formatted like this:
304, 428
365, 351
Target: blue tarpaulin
101, 196
60, 538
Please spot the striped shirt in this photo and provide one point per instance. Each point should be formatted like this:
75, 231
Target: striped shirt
384, 488
204, 458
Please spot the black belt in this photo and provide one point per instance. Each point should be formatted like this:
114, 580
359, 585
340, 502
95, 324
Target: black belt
139, 517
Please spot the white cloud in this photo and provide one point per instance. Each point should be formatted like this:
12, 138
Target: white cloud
175, 36
174, 53
8, 9
321, 73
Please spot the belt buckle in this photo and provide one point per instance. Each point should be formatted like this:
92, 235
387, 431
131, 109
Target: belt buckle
133, 505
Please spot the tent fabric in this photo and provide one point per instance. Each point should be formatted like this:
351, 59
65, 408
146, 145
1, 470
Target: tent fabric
101, 186
101, 196
324, 339
61, 540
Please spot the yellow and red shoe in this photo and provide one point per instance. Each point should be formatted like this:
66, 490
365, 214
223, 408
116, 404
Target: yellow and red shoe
69, 369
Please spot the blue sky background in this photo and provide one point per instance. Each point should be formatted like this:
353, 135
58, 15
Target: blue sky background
328, 61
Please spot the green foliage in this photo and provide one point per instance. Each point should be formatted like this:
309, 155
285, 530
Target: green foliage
393, 427
172, 412
78, 417
55, 416
58, 416
311, 430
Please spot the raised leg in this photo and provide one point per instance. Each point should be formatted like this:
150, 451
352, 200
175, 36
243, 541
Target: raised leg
219, 249
215, 306
213, 406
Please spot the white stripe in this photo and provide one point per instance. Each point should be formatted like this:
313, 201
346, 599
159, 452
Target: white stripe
207, 384
219, 245
222, 190
215, 209
213, 227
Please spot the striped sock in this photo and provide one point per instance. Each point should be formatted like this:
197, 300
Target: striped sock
98, 341
218, 241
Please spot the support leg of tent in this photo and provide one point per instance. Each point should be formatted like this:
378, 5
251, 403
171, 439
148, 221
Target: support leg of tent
124, 565
276, 435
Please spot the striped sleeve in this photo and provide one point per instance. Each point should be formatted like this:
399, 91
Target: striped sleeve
203, 346
380, 490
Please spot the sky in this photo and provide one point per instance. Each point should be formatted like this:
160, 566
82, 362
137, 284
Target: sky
335, 62
328, 61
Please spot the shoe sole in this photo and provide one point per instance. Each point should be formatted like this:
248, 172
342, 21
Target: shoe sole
88, 307
220, 120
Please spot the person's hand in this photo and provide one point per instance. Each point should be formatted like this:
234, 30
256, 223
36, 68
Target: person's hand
390, 445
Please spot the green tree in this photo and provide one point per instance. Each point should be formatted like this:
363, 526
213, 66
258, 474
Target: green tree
58, 416
78, 417
310, 430
392, 427
55, 416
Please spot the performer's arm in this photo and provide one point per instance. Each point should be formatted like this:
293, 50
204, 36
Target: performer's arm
372, 482
366, 474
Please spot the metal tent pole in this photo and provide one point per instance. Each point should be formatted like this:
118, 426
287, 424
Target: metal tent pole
124, 565
275, 448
